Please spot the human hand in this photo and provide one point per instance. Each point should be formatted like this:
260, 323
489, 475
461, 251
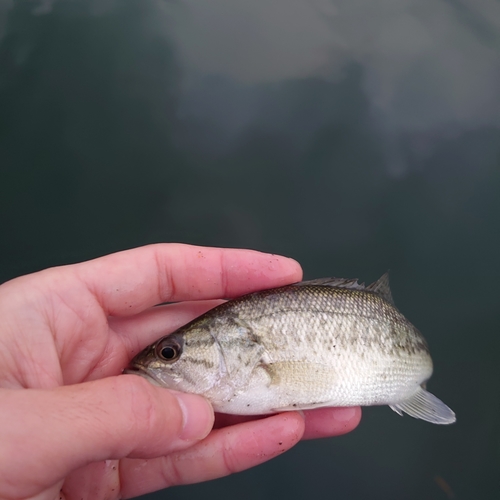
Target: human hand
73, 427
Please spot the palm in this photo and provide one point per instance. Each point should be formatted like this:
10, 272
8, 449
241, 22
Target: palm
52, 358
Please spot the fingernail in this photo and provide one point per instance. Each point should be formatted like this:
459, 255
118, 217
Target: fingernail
198, 416
344, 414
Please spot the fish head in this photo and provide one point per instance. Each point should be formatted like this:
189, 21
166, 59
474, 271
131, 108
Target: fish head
213, 357
187, 361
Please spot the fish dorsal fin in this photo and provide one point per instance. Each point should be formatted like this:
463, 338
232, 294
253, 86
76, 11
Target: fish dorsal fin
334, 282
381, 287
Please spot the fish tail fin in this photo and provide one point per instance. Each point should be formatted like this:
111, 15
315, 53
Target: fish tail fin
425, 406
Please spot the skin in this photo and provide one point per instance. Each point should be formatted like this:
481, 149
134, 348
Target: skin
74, 428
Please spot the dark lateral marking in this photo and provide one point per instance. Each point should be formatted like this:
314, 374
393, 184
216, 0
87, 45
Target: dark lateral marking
203, 362
204, 341
253, 337
273, 374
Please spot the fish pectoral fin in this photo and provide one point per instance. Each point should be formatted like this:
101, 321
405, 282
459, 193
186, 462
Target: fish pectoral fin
425, 406
302, 385
305, 377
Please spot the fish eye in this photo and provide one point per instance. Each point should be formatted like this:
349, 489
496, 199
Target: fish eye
169, 349
168, 353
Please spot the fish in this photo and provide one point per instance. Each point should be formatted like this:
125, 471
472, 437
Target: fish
329, 342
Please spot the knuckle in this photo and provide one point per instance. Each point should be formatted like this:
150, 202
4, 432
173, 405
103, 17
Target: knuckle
230, 462
171, 471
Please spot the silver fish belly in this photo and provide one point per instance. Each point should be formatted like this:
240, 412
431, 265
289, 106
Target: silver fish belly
327, 342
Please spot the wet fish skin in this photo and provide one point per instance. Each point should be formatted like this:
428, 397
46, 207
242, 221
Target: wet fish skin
327, 342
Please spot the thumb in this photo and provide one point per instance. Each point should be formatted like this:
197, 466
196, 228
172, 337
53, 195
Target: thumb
45, 434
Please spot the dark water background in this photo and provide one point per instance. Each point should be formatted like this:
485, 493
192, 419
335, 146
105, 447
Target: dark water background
355, 136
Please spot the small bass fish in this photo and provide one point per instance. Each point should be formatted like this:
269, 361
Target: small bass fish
326, 342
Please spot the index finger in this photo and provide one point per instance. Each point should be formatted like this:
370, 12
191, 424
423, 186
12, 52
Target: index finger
131, 281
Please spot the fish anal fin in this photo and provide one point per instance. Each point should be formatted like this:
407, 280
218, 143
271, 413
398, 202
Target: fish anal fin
381, 287
425, 406
397, 410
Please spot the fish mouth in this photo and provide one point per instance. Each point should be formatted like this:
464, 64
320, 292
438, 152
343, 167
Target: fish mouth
142, 372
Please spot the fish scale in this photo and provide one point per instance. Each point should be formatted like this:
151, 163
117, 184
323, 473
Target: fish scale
326, 342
